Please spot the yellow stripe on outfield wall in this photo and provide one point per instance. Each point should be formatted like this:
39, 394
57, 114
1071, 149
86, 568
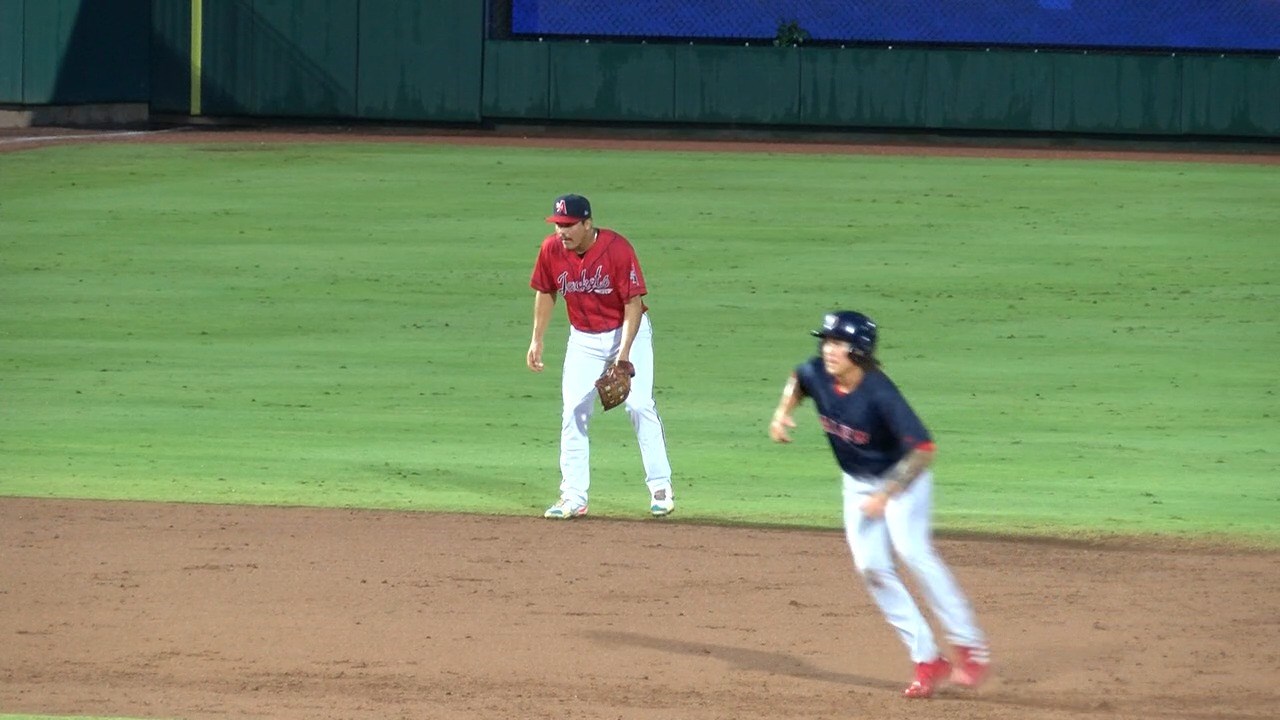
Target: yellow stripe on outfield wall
197, 48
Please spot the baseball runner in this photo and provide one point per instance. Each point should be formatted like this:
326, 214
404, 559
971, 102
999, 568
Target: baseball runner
598, 274
884, 452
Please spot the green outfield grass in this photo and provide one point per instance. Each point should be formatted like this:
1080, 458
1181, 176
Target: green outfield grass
1093, 343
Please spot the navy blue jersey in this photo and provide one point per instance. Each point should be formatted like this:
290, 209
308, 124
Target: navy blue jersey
871, 428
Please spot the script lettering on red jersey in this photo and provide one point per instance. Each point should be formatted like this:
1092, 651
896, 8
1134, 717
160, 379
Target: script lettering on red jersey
844, 432
598, 283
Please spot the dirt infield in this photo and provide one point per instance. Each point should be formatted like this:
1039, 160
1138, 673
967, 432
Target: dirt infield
187, 611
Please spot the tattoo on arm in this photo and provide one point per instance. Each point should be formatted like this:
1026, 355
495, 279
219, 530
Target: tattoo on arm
900, 476
792, 394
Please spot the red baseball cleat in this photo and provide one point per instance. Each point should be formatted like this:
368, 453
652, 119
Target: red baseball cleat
973, 667
929, 677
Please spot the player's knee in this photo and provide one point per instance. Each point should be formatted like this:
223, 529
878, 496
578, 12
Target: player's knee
638, 409
877, 577
919, 560
873, 570
576, 418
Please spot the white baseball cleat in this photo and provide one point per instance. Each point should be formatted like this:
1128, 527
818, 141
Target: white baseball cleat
661, 503
565, 509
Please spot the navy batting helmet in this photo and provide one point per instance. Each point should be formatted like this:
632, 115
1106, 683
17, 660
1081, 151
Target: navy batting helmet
853, 327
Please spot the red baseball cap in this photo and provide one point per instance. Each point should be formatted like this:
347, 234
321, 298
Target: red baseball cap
570, 209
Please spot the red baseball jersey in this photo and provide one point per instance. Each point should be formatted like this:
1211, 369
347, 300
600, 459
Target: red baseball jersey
596, 286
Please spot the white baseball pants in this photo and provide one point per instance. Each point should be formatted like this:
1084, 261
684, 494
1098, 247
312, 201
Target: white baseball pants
907, 529
584, 360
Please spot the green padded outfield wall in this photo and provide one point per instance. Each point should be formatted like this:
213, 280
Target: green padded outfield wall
1231, 96
420, 60
171, 56
659, 83
427, 60
732, 84
1137, 94
516, 80
864, 88
911, 88
75, 51
374, 59
10, 50
11, 42
647, 75
979, 90
279, 58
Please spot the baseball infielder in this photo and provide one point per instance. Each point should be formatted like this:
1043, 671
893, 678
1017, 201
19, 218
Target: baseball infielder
884, 451
598, 274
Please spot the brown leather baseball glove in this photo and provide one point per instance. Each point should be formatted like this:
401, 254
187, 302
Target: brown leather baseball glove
614, 384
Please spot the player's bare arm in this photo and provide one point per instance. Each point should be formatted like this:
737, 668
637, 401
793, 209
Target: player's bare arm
792, 394
905, 471
543, 303
631, 313
898, 478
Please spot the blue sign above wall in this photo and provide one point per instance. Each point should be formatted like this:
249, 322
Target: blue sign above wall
1217, 25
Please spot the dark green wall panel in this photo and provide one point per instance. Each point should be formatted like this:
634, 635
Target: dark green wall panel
11, 44
170, 57
829, 83
306, 53
999, 91
11, 50
862, 87
47, 32
227, 79
82, 51
1117, 93
1231, 96
730, 84
420, 59
280, 58
978, 90
625, 82
516, 80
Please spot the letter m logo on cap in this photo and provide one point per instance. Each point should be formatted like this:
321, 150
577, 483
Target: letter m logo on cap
561, 207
